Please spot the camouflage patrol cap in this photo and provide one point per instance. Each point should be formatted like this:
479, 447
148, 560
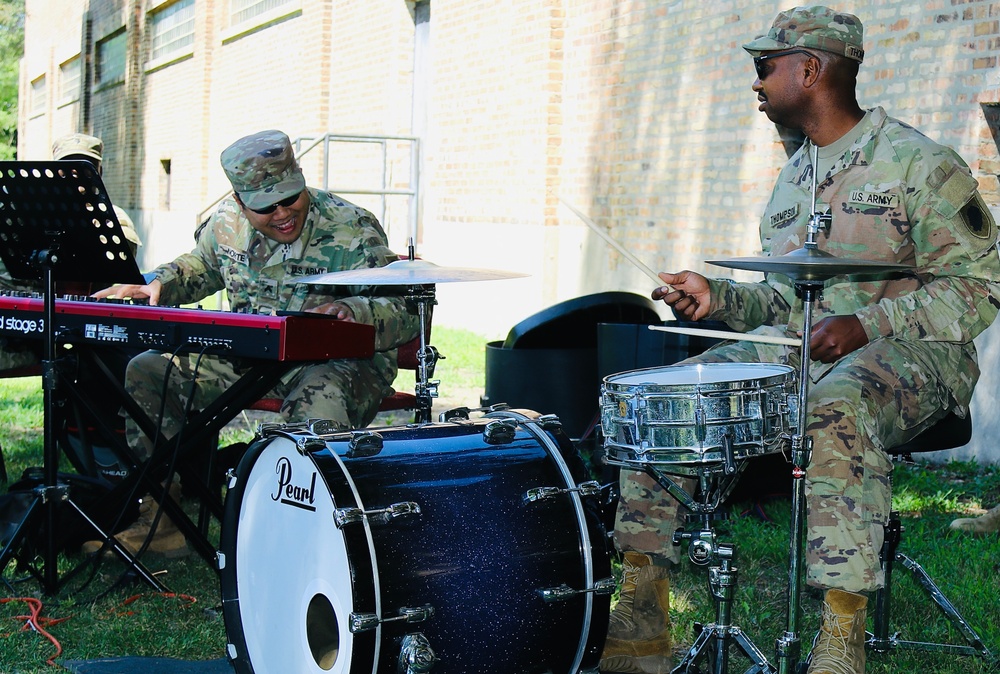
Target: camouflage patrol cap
814, 27
78, 144
262, 169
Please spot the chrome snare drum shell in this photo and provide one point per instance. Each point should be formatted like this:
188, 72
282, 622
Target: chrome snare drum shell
685, 414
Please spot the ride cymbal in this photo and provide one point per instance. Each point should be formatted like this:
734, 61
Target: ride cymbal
811, 264
408, 272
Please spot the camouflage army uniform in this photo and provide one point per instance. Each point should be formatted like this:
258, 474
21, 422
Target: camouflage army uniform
259, 275
895, 196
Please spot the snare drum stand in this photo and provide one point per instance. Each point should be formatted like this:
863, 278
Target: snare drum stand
704, 549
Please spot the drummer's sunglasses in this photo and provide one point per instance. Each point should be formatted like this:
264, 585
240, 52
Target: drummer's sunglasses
760, 62
284, 203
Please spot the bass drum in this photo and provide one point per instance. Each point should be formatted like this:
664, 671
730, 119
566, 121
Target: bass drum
460, 548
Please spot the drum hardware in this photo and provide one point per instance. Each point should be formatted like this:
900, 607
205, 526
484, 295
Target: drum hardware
419, 277
308, 444
500, 432
808, 268
416, 655
589, 489
363, 622
563, 592
472, 571
713, 641
701, 420
344, 516
364, 443
695, 419
715, 638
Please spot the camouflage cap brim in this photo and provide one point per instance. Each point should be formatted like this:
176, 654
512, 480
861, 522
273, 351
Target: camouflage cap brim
272, 194
763, 43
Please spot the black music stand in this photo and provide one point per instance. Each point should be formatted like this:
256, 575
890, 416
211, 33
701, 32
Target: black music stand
57, 222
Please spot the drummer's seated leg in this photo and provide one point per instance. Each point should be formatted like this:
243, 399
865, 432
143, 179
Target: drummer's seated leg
855, 410
639, 627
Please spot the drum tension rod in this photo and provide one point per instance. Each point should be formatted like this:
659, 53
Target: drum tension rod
344, 516
605, 586
363, 622
590, 488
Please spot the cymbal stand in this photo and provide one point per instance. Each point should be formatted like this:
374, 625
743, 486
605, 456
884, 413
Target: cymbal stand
426, 389
789, 645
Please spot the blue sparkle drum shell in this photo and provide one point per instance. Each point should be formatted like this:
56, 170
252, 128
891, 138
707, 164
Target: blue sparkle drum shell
434, 545
687, 414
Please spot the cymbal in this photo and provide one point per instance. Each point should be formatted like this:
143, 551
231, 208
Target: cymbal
407, 273
811, 264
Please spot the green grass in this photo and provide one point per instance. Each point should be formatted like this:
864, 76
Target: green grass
101, 624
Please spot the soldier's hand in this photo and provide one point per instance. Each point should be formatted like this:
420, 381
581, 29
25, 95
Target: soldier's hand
132, 291
337, 310
687, 293
834, 337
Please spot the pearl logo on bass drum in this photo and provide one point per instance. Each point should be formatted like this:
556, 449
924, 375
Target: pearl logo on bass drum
288, 493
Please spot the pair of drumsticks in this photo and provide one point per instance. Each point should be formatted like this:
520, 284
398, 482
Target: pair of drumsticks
700, 332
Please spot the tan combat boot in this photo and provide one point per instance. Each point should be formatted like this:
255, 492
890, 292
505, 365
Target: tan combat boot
639, 628
984, 524
167, 541
839, 647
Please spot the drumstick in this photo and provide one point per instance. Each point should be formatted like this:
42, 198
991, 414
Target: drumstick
614, 244
725, 334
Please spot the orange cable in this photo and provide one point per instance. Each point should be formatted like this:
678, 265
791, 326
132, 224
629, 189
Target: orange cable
36, 621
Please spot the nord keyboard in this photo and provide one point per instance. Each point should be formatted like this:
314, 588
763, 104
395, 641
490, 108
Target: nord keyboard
298, 337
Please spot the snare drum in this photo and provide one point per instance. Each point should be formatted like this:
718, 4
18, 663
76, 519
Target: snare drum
463, 547
697, 414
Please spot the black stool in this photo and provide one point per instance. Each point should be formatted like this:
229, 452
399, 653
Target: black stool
951, 432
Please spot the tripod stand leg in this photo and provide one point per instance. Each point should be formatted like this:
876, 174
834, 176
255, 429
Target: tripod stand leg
122, 552
976, 645
39, 507
10, 550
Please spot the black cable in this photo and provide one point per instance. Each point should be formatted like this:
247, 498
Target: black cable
172, 464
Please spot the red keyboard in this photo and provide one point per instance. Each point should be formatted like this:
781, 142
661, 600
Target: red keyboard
298, 337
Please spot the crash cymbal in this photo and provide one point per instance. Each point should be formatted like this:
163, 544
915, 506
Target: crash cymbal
810, 264
407, 273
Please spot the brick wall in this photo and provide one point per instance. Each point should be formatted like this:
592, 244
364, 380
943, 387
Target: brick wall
637, 112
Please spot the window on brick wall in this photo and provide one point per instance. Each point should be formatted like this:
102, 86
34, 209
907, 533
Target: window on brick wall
110, 61
172, 29
69, 80
39, 92
165, 184
247, 10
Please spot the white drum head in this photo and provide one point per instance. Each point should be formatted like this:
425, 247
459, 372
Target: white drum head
292, 570
698, 373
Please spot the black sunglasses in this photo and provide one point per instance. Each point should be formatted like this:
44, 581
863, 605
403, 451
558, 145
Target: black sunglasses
284, 203
760, 62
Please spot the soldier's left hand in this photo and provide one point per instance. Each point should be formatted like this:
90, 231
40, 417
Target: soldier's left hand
337, 310
836, 336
